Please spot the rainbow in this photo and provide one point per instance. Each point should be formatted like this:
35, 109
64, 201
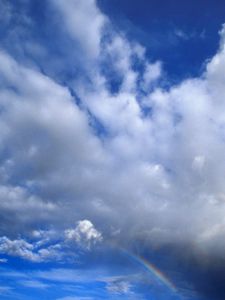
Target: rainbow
153, 270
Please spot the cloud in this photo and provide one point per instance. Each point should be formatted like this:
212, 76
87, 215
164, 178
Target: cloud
5, 289
131, 180
70, 279
33, 151
53, 149
152, 73
75, 298
84, 22
23, 206
6, 12
35, 252
19, 248
51, 245
34, 284
84, 234
119, 287
110, 145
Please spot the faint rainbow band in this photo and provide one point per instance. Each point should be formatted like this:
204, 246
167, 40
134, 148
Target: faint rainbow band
152, 269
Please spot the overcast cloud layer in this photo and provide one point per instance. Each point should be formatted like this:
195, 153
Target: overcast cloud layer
106, 155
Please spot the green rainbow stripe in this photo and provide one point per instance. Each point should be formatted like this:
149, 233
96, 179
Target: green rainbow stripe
153, 270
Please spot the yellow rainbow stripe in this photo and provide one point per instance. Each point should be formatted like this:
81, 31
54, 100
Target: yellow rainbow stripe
153, 270
157, 273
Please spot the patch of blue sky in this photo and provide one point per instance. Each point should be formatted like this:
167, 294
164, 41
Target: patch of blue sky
183, 34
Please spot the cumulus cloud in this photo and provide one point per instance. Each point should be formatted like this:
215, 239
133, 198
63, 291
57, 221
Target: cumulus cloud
30, 251
84, 234
19, 248
51, 245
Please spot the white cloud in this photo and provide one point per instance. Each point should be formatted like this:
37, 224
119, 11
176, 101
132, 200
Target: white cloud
35, 252
152, 73
75, 298
51, 245
19, 248
198, 162
120, 52
84, 22
159, 176
119, 287
24, 206
84, 234
34, 284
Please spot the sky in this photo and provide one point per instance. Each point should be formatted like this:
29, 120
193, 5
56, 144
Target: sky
112, 150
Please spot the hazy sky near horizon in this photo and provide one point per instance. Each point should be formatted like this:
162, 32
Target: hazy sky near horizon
112, 150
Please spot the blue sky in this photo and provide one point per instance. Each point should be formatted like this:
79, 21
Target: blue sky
112, 150
183, 34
